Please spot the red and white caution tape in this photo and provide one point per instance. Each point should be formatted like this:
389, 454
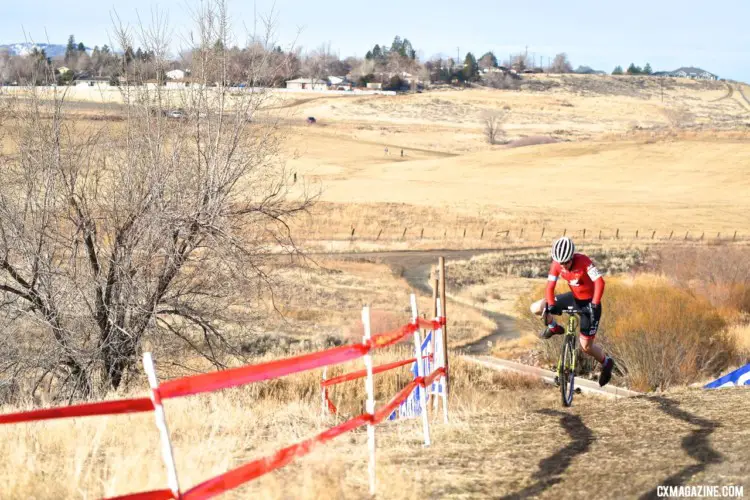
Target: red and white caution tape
82, 410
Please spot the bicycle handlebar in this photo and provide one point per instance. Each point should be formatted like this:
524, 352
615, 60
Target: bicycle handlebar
572, 310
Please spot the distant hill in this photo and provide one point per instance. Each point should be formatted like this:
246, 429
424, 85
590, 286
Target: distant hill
26, 48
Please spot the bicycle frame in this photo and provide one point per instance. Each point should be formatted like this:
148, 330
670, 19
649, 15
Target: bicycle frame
567, 382
570, 332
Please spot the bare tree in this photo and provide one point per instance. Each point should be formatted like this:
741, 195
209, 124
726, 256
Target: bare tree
561, 64
493, 125
146, 229
520, 62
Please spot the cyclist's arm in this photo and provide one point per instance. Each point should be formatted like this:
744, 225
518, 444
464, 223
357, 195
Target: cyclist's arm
598, 280
554, 273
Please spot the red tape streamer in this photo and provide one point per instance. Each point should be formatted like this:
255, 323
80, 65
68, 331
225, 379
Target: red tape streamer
257, 468
431, 378
331, 407
429, 325
82, 410
209, 382
390, 338
363, 373
146, 495
396, 400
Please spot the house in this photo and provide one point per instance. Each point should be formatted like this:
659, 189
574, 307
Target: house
176, 74
63, 70
92, 81
307, 84
375, 85
693, 73
339, 83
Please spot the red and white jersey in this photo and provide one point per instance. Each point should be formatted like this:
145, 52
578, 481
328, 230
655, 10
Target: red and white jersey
584, 278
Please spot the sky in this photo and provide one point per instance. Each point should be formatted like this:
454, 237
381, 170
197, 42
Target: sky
598, 33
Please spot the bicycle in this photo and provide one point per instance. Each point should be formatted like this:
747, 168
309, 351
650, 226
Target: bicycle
566, 364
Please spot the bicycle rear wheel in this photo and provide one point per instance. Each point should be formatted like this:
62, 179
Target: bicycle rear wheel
566, 373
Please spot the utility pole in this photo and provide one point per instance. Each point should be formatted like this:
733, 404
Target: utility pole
458, 56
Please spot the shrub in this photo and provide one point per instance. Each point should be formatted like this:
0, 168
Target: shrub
720, 274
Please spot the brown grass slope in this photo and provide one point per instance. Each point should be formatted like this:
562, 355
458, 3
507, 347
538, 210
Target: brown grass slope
508, 437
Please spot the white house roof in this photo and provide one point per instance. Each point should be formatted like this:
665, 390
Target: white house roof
308, 80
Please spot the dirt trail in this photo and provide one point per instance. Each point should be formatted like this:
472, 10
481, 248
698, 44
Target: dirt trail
598, 448
415, 267
730, 92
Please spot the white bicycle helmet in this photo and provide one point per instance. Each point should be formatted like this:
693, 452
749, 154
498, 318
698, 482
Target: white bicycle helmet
563, 249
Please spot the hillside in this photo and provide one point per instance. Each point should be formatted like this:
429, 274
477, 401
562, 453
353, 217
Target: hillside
508, 438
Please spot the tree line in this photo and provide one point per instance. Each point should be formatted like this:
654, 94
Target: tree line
392, 65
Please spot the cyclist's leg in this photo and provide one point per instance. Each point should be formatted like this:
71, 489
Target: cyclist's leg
588, 332
552, 328
563, 300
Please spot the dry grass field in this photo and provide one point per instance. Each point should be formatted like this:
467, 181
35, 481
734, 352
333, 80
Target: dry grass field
644, 162
506, 438
594, 153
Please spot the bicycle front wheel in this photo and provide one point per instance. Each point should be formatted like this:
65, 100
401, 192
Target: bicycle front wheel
566, 373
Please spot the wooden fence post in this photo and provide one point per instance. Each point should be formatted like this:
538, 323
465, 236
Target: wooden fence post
600, 234
378, 237
444, 307
464, 232
521, 235
421, 234
671, 233
565, 231
636, 234
686, 235
584, 232
735, 236
481, 236
543, 228
435, 287
653, 234
617, 234
352, 237
404, 234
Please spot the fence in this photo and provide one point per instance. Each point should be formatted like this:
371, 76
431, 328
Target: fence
214, 381
475, 231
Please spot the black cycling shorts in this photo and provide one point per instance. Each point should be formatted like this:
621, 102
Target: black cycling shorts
588, 328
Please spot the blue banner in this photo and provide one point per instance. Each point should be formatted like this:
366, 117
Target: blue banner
741, 376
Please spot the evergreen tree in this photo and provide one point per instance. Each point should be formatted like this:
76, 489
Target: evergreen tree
647, 69
471, 68
70, 50
633, 69
488, 60
617, 70
81, 47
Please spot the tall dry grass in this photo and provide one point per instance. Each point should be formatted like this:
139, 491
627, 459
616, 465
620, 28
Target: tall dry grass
659, 334
721, 274
212, 433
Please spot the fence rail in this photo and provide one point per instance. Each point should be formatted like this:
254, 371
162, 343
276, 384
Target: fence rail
210, 382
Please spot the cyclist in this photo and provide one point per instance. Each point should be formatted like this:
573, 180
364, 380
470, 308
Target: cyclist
587, 287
